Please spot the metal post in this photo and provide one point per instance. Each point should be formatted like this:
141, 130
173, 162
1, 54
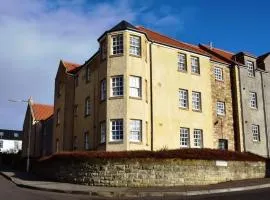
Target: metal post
29, 139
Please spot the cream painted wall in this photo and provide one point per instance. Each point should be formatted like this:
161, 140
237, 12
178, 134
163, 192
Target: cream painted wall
168, 117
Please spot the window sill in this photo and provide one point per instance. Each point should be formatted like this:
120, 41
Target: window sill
254, 108
181, 108
221, 115
116, 142
219, 81
116, 97
183, 71
199, 111
136, 142
137, 98
116, 55
196, 74
136, 56
256, 142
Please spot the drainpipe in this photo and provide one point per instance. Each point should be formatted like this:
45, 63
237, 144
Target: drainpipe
241, 103
151, 100
264, 112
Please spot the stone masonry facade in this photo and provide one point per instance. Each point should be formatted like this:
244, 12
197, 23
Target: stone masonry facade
221, 91
149, 172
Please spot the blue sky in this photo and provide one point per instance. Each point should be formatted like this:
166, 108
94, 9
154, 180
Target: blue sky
36, 34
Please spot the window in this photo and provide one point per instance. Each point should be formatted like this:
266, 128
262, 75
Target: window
135, 130
250, 66
117, 86
75, 143
135, 45
184, 137
58, 89
87, 106
218, 74
16, 135
182, 62
58, 117
103, 90
198, 138
1, 134
146, 89
135, 86
117, 44
220, 108
195, 66
16, 145
223, 144
102, 132
1, 144
87, 74
253, 99
76, 80
196, 101
86, 140
183, 98
75, 110
104, 50
57, 145
255, 132
117, 130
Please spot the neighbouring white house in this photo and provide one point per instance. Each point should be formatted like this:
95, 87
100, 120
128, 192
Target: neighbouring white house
10, 141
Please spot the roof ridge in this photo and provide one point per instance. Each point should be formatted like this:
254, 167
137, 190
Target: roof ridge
68, 62
43, 104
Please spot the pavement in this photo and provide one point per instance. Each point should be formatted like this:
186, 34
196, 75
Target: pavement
25, 180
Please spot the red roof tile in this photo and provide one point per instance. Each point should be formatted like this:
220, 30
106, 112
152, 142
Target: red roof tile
159, 38
225, 54
70, 66
42, 111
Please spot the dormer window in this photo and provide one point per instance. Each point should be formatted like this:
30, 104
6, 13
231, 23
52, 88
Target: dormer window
135, 45
251, 70
117, 44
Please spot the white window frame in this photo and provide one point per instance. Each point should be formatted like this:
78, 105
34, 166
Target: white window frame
198, 138
182, 62
196, 101
102, 132
255, 129
251, 69
135, 45
117, 85
184, 137
1, 144
183, 98
135, 85
253, 100
195, 65
117, 130
103, 90
221, 109
135, 126
117, 44
218, 73
86, 140
87, 108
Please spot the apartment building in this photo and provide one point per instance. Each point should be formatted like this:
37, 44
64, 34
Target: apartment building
250, 80
144, 91
64, 106
10, 141
37, 130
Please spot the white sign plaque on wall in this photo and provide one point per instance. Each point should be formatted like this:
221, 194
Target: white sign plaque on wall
221, 163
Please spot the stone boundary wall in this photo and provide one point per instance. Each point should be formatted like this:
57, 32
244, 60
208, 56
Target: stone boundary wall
149, 172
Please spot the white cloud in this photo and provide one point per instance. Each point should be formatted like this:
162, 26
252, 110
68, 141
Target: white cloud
35, 34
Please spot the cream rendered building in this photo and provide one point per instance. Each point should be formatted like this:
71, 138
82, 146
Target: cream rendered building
143, 91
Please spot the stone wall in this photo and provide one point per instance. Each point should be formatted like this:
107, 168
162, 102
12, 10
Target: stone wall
149, 172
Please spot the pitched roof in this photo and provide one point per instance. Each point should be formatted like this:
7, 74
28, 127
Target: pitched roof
42, 111
262, 57
123, 25
162, 39
70, 66
219, 52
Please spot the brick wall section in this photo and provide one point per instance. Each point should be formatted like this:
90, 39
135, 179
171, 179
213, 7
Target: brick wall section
221, 91
149, 172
